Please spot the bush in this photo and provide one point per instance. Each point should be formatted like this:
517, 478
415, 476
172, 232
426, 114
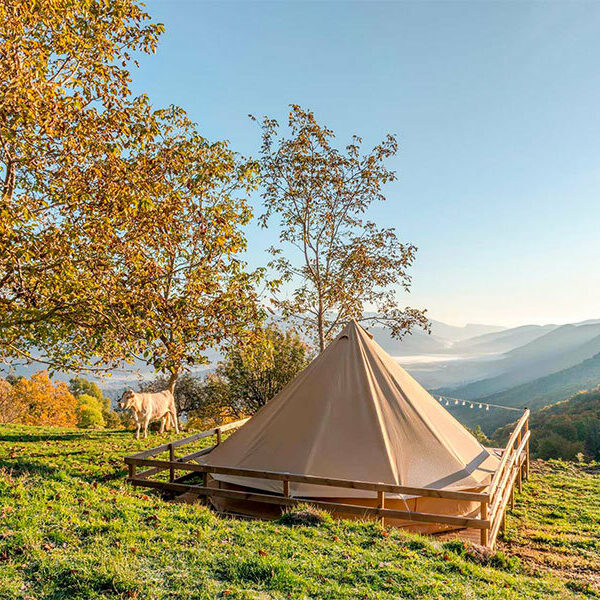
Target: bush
82, 388
249, 376
40, 402
89, 412
111, 419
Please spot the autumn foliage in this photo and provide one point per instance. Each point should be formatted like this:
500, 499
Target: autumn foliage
37, 401
120, 225
66, 117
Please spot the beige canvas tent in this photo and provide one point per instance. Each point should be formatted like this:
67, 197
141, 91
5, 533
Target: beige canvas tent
355, 414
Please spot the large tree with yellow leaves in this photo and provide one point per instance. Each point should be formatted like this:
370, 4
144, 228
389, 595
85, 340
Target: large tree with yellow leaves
120, 225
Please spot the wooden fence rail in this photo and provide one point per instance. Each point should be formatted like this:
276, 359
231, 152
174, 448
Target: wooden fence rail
513, 467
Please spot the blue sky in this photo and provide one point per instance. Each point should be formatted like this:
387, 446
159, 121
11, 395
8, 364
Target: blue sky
496, 106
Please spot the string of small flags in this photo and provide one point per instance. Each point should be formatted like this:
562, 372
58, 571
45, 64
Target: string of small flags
447, 401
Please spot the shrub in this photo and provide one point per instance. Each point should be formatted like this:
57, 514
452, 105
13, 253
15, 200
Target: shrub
556, 446
89, 412
80, 388
249, 376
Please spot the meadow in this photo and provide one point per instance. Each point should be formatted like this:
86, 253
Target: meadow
71, 528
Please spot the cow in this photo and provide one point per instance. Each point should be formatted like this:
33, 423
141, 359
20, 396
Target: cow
149, 407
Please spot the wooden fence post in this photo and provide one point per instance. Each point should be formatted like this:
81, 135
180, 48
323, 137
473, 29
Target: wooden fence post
381, 503
171, 459
484, 516
286, 488
518, 462
527, 451
131, 471
218, 435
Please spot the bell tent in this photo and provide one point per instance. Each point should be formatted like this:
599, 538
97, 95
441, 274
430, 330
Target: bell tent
355, 414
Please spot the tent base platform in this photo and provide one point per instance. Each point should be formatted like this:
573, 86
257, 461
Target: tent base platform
472, 536
339, 510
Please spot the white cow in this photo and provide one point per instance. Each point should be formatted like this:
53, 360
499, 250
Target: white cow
149, 407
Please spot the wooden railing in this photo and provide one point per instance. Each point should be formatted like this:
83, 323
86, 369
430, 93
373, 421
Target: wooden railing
514, 465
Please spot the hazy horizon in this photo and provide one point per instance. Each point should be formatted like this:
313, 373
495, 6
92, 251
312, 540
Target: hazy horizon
511, 326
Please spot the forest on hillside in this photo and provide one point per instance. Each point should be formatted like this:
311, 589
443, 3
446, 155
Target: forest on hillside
569, 429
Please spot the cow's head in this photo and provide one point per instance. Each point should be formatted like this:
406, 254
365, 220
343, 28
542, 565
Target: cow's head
126, 400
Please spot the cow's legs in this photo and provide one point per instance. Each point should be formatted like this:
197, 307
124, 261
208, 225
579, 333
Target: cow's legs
146, 423
162, 424
174, 419
137, 430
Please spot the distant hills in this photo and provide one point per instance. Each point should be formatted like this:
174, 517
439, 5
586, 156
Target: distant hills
453, 333
502, 341
528, 365
441, 340
534, 394
561, 348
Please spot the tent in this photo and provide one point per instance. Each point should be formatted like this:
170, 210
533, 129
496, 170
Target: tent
355, 414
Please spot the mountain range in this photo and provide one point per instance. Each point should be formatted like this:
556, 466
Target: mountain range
529, 365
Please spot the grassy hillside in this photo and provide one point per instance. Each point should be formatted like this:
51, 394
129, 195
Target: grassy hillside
535, 394
70, 528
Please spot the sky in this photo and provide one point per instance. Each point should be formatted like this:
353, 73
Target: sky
496, 106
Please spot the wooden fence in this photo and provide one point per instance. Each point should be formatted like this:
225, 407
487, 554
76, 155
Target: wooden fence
513, 468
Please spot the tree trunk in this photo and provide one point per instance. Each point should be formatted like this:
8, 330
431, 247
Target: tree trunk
321, 332
173, 381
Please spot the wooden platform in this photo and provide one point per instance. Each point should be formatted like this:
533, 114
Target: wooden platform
467, 535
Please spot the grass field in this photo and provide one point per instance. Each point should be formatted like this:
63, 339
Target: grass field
70, 528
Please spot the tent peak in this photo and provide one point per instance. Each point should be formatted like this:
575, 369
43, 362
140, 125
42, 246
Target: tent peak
353, 326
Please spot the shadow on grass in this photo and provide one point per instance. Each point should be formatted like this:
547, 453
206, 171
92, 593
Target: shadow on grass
55, 437
19, 467
23, 467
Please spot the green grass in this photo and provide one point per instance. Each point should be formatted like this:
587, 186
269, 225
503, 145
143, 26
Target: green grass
70, 528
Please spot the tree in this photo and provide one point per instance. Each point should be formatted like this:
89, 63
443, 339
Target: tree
43, 402
479, 435
177, 286
344, 264
120, 225
80, 388
556, 446
89, 412
65, 122
251, 375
